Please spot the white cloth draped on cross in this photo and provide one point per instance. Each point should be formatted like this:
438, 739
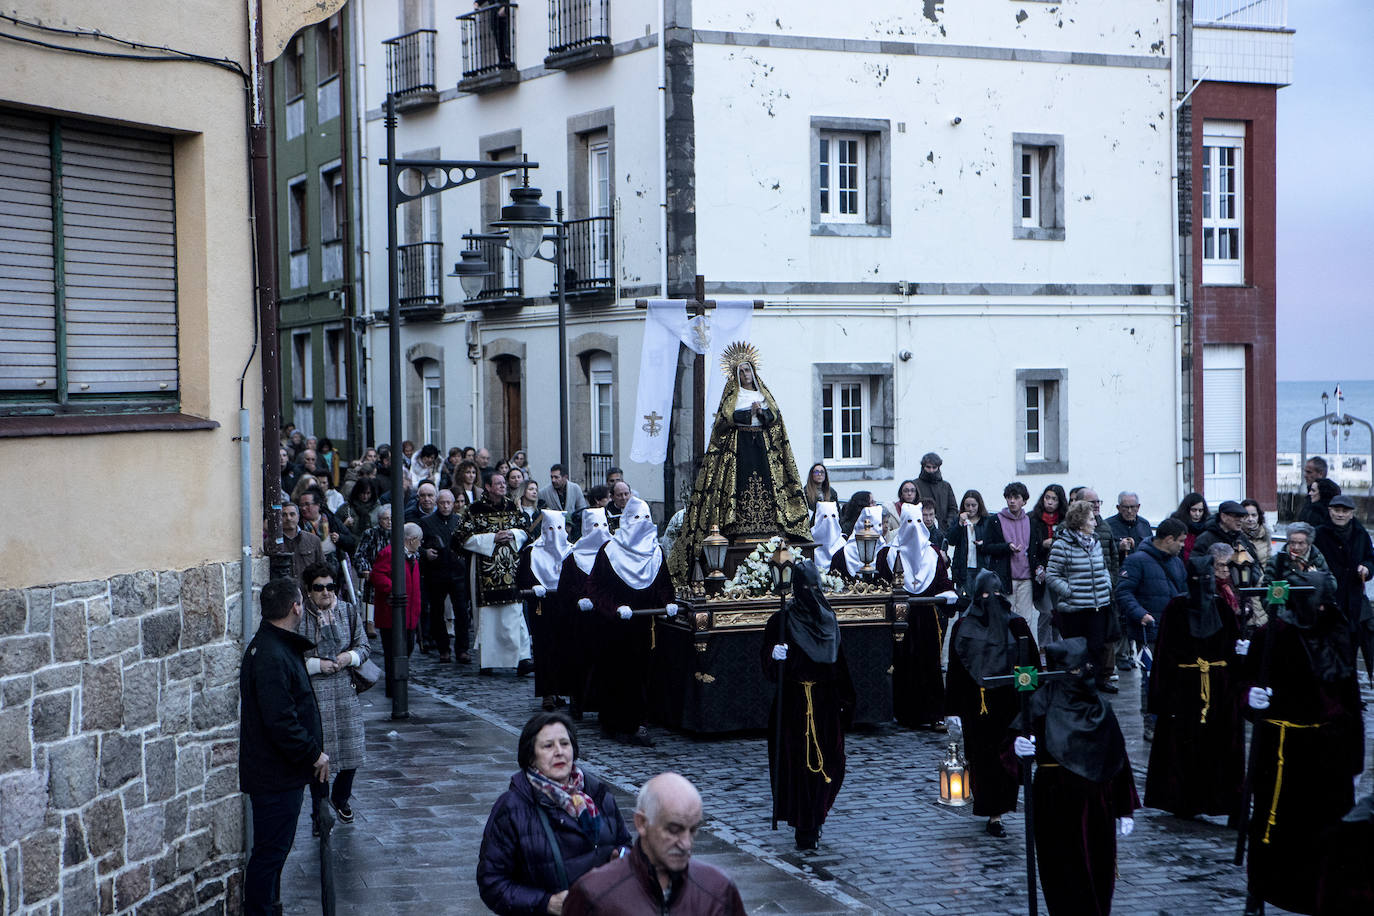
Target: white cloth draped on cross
666, 325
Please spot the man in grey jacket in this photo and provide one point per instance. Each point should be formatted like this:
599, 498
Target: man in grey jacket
566, 497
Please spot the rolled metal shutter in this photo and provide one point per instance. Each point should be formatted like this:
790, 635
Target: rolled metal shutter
119, 236
28, 302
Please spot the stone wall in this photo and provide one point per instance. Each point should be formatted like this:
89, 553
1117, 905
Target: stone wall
119, 709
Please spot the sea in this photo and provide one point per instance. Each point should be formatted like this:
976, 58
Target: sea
1298, 402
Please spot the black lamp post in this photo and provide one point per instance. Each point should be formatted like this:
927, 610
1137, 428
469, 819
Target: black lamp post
522, 226
1326, 425
436, 176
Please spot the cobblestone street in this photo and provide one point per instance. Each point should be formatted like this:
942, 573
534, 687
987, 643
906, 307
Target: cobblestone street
887, 847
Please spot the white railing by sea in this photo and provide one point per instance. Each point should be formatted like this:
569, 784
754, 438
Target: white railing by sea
1252, 14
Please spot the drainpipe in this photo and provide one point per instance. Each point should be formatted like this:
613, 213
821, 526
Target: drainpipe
662, 158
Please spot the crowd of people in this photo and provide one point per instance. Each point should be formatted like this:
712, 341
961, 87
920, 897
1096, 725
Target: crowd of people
564, 583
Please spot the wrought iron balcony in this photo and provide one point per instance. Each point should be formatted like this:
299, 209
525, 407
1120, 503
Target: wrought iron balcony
595, 466
590, 258
421, 279
579, 33
410, 69
504, 286
488, 47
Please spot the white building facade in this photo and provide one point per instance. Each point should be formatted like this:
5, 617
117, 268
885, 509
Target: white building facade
960, 218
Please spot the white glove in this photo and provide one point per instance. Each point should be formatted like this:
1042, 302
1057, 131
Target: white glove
1259, 697
780, 652
624, 612
954, 722
540, 591
1023, 746
584, 604
1127, 825
670, 610
1242, 647
950, 597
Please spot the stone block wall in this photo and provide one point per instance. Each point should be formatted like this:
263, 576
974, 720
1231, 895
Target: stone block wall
119, 709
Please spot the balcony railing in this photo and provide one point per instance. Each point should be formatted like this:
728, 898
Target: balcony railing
410, 68
488, 46
590, 254
421, 277
579, 32
1243, 14
594, 468
503, 286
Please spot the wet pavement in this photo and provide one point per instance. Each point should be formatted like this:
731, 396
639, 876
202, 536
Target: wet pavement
888, 846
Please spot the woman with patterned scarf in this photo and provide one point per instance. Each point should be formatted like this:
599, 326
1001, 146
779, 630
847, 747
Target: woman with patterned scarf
553, 825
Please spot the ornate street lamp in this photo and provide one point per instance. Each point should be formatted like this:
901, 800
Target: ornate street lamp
472, 271
780, 569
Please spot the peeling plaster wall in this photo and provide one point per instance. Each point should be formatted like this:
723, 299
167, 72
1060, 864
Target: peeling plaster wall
951, 185
1115, 27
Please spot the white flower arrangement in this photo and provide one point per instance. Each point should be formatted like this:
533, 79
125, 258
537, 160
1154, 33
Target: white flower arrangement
752, 580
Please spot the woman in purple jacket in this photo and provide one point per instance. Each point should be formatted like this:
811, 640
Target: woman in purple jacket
553, 825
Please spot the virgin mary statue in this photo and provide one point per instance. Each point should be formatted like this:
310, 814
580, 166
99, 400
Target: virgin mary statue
748, 482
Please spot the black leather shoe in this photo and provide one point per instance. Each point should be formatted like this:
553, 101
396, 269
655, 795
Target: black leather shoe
640, 738
995, 828
1108, 687
525, 668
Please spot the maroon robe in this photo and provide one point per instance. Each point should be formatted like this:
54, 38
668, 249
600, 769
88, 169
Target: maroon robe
986, 714
619, 682
918, 687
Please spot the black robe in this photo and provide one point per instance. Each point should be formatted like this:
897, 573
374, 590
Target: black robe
1346, 884
574, 631
541, 614
622, 650
1318, 725
1197, 760
918, 687
986, 714
812, 766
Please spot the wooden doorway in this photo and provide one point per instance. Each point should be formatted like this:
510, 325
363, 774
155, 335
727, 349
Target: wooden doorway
508, 375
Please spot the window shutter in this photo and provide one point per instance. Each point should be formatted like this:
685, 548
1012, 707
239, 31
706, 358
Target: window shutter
28, 304
119, 234
1223, 398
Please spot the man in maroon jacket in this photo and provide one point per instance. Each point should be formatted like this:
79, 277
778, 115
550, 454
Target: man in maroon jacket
657, 876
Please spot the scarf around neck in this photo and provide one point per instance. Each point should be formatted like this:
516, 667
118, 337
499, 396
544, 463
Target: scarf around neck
571, 797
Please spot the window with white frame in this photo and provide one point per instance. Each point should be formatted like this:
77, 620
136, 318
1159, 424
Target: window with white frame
1041, 421
335, 363
599, 201
328, 66
293, 62
433, 409
844, 410
851, 177
333, 209
841, 177
302, 375
1223, 192
1037, 186
296, 233
602, 411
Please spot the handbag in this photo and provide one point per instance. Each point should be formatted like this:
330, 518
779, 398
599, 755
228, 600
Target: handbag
364, 676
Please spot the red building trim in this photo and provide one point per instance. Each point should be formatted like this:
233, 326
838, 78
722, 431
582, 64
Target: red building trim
1241, 314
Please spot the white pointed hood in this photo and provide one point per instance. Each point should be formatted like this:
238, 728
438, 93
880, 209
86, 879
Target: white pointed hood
595, 533
634, 551
912, 543
852, 561
827, 534
546, 556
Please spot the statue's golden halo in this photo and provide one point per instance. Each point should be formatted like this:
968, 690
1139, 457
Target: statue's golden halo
736, 354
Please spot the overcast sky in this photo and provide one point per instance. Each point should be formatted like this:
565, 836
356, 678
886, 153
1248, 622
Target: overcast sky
1326, 194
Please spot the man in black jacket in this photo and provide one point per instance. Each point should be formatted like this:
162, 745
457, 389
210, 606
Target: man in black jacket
444, 576
1152, 576
281, 741
1225, 527
1349, 554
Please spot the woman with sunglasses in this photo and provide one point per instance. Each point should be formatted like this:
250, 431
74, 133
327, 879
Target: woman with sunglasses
336, 629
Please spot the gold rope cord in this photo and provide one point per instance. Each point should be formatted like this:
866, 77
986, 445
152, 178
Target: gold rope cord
983, 701
812, 738
1204, 668
713, 495
1278, 772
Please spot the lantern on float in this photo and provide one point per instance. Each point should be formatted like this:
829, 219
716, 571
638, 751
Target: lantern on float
713, 548
867, 539
955, 790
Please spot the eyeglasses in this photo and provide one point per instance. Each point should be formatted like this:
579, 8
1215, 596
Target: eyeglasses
324, 587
